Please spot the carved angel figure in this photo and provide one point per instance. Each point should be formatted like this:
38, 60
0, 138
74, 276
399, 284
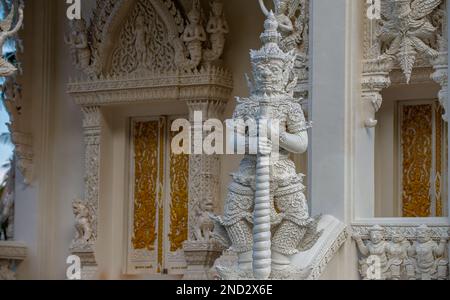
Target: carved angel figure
82, 224
141, 39
291, 17
6, 31
428, 256
194, 35
375, 248
406, 31
217, 27
288, 216
78, 42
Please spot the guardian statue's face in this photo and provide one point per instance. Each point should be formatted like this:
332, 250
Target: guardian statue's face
398, 238
423, 236
376, 237
269, 76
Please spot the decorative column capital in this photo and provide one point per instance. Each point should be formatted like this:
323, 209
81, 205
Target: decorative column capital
374, 79
210, 108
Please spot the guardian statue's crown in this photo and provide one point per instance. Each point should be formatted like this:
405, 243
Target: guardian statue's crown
270, 50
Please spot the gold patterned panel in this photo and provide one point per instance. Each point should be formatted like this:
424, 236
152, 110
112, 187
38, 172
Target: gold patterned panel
416, 133
179, 176
162, 148
145, 185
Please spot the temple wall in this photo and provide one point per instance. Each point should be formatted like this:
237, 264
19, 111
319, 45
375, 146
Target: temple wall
341, 179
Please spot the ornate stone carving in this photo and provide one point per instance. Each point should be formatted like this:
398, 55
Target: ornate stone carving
85, 210
207, 83
398, 261
204, 184
153, 36
427, 255
6, 272
193, 36
377, 248
409, 35
92, 133
83, 226
402, 252
406, 30
7, 207
7, 30
294, 19
78, 43
217, 28
23, 142
375, 78
258, 203
11, 255
140, 68
12, 96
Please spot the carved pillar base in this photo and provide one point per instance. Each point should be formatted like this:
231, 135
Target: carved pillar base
11, 255
200, 258
89, 266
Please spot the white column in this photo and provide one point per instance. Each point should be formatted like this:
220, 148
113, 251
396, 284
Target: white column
335, 88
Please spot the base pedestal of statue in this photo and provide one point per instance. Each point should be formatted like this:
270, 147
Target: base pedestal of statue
307, 265
89, 266
200, 257
313, 262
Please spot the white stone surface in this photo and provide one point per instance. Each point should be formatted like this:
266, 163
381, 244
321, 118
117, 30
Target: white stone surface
313, 262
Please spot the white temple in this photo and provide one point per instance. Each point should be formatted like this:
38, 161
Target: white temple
356, 187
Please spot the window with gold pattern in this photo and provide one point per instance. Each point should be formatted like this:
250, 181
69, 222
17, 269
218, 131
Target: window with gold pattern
422, 159
158, 214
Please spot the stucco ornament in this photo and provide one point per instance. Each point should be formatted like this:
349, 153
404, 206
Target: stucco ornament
83, 226
406, 31
428, 256
7, 30
217, 28
204, 225
5, 271
398, 260
78, 42
266, 219
194, 35
374, 254
7, 216
289, 21
293, 19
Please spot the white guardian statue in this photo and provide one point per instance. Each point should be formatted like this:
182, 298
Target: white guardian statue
266, 219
